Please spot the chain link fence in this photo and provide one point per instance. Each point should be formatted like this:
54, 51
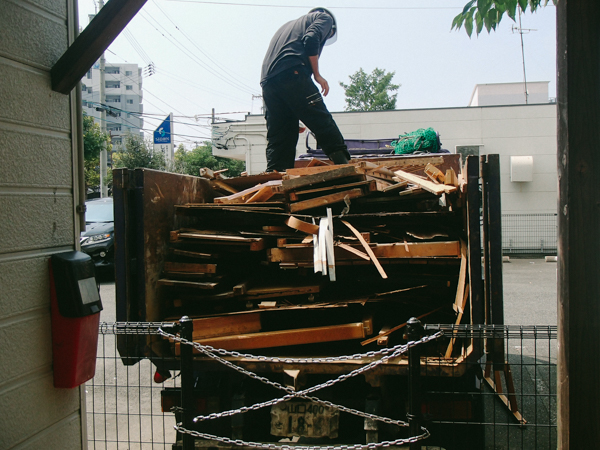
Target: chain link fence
529, 234
506, 403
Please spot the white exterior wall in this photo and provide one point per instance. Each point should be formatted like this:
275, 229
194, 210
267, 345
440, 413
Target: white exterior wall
509, 94
520, 130
37, 198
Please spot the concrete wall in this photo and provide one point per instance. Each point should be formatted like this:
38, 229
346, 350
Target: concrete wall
521, 130
37, 219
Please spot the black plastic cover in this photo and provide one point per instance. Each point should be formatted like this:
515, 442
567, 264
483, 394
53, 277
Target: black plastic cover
75, 281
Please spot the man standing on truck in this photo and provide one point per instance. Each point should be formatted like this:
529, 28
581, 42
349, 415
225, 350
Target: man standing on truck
290, 95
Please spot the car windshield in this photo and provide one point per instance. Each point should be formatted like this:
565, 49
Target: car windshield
99, 212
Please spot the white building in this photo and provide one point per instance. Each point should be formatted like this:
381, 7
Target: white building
122, 99
524, 135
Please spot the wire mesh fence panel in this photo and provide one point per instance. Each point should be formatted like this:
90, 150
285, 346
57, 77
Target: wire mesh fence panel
529, 233
503, 400
124, 403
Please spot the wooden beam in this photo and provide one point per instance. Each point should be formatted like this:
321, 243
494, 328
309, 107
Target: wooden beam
226, 325
189, 267
371, 185
326, 200
254, 244
298, 336
309, 180
186, 284
92, 42
312, 170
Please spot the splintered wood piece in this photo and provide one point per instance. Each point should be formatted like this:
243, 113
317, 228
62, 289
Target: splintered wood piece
298, 336
437, 189
396, 328
451, 178
458, 321
244, 195
254, 244
462, 277
326, 200
353, 250
396, 187
318, 162
191, 254
226, 325
190, 267
241, 288
370, 185
300, 225
309, 180
263, 194
312, 170
436, 175
367, 248
220, 184
186, 284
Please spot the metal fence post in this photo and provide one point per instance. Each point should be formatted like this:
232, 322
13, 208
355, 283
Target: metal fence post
187, 381
414, 332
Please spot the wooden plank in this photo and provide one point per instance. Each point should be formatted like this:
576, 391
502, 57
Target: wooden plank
191, 254
301, 252
437, 189
189, 267
298, 336
396, 186
398, 327
309, 180
185, 284
300, 225
353, 250
451, 178
462, 278
311, 170
226, 325
92, 42
220, 184
435, 174
263, 194
254, 244
258, 292
367, 248
244, 195
326, 200
370, 185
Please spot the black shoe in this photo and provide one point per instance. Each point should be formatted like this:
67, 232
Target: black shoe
340, 157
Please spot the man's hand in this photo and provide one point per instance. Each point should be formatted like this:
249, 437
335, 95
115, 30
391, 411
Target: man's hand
323, 83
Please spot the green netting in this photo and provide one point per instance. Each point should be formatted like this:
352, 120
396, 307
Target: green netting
422, 140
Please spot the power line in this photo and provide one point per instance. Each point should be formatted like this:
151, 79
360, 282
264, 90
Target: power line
336, 7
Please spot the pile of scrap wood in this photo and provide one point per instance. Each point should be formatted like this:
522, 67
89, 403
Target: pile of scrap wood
319, 254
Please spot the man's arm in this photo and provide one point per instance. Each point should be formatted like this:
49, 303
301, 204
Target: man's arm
314, 64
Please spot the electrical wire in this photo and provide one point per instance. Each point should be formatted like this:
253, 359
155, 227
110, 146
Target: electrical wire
336, 7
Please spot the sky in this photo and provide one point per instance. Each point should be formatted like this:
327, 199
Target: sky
208, 54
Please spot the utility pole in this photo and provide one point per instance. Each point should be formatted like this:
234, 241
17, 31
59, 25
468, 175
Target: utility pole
522, 31
103, 153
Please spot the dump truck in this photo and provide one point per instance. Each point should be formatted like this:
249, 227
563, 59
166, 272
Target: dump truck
303, 277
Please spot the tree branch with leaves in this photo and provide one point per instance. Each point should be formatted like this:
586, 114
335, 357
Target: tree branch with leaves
370, 92
478, 14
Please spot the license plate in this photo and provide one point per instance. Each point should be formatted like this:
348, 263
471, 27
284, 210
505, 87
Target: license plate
304, 419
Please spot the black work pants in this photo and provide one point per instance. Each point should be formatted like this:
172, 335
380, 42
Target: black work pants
289, 97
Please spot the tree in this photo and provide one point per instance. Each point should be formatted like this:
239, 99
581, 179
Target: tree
370, 92
93, 142
488, 13
139, 153
190, 162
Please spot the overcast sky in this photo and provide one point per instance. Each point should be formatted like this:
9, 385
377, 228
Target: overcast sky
208, 54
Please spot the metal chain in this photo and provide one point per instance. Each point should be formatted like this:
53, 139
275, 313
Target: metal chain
304, 393
270, 446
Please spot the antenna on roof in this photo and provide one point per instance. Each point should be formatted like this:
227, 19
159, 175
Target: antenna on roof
523, 31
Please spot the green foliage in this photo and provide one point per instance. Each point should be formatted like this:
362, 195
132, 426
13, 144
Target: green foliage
138, 153
370, 92
190, 162
93, 141
478, 14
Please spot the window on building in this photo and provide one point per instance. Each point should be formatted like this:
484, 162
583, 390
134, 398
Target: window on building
130, 102
128, 87
89, 74
112, 69
83, 88
112, 84
113, 128
116, 141
128, 73
468, 150
113, 99
89, 89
